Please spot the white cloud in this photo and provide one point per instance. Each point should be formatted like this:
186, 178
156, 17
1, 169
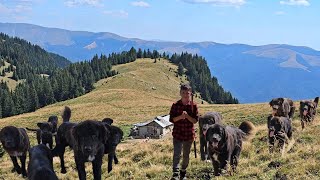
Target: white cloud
279, 13
140, 4
296, 2
218, 2
16, 9
73, 3
120, 13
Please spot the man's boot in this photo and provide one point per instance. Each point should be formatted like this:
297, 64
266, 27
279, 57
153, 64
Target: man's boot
175, 176
183, 175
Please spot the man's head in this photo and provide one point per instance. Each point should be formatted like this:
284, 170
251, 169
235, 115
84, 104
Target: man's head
185, 92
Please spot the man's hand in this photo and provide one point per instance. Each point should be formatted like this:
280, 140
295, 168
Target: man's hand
191, 119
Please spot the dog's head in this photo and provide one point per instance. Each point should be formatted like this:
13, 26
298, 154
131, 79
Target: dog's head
89, 136
10, 137
216, 136
54, 122
40, 150
277, 105
206, 122
307, 108
107, 121
276, 127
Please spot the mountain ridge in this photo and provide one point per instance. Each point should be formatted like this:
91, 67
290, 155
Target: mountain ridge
274, 64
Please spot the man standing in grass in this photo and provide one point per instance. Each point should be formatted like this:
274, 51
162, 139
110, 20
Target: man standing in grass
183, 114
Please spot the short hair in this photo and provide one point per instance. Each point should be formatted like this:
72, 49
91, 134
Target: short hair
185, 86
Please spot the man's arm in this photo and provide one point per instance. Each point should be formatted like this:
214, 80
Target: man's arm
195, 118
174, 117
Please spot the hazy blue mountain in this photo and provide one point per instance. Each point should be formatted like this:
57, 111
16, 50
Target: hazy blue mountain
251, 73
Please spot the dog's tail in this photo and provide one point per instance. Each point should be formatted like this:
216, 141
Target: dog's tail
29, 129
66, 114
316, 100
248, 128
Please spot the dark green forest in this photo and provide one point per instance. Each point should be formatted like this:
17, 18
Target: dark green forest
64, 80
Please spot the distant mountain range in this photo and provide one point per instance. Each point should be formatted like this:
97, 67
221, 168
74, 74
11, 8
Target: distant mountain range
251, 73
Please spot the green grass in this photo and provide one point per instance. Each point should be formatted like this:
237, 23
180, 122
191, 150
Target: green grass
129, 98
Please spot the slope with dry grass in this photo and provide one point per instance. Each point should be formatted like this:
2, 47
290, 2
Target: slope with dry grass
143, 90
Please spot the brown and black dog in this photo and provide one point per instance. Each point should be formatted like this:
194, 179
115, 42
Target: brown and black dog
40, 165
205, 122
225, 144
308, 110
279, 132
15, 142
282, 107
116, 135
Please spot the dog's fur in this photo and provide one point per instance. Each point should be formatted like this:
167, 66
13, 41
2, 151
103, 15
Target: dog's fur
282, 107
225, 144
308, 110
53, 120
279, 131
64, 137
89, 139
205, 121
40, 164
116, 135
44, 134
15, 142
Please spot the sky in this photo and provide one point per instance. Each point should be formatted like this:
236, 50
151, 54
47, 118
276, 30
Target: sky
254, 22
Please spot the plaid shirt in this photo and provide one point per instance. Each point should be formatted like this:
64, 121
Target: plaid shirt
183, 129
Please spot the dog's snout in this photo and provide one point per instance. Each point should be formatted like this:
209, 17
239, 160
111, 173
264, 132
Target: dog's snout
88, 148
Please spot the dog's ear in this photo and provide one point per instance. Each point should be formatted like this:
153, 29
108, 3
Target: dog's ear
271, 102
224, 134
39, 125
104, 133
108, 121
281, 100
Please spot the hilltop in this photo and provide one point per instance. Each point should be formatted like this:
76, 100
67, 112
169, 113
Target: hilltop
144, 89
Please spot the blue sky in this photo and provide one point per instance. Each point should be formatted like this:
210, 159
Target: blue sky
254, 22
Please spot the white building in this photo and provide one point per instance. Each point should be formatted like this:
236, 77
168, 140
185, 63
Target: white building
155, 128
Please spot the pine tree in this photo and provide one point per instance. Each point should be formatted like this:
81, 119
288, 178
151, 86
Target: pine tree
139, 54
180, 69
34, 100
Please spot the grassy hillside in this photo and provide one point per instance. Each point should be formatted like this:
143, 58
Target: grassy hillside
7, 78
144, 89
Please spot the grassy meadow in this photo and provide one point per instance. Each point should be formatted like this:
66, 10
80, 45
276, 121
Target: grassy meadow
7, 78
145, 89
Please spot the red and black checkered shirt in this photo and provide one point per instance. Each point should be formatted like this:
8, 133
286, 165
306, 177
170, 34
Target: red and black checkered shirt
183, 129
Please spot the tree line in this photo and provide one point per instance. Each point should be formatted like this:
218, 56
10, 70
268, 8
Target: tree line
63, 80
199, 76
70, 82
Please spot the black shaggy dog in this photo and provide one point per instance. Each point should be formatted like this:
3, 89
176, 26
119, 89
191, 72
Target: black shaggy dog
116, 135
282, 107
44, 134
225, 144
40, 164
205, 122
64, 137
15, 142
89, 139
308, 110
280, 131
